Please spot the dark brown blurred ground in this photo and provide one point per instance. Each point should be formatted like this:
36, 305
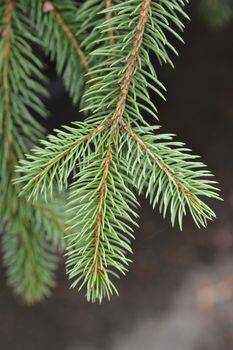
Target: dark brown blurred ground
178, 294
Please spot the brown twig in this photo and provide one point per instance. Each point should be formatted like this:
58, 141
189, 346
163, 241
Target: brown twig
86, 138
7, 39
125, 86
101, 199
154, 157
118, 116
108, 4
50, 7
131, 64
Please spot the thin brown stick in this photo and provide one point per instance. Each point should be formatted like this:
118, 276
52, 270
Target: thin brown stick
86, 138
131, 64
101, 199
154, 157
118, 116
50, 7
7, 39
108, 4
125, 86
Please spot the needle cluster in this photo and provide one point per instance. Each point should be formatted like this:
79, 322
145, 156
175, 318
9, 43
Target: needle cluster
115, 154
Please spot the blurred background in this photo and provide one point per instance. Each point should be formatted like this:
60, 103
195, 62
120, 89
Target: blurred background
178, 294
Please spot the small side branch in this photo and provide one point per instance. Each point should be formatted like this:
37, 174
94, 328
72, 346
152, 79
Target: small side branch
50, 215
158, 160
132, 63
55, 161
7, 44
100, 211
50, 7
108, 4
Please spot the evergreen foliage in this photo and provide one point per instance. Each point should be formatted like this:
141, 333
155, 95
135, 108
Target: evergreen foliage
103, 162
32, 231
56, 25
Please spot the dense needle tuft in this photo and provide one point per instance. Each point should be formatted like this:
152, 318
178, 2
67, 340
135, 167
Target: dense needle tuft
115, 154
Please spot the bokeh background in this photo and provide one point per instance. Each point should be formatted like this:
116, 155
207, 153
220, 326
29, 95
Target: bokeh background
178, 294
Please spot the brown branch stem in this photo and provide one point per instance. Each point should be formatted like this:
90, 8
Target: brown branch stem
86, 138
7, 44
131, 64
154, 157
50, 7
108, 4
101, 199
118, 116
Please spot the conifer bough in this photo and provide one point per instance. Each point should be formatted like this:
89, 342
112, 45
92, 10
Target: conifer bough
103, 162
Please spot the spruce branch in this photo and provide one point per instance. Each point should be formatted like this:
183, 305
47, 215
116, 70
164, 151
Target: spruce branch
116, 149
50, 6
5, 111
177, 181
32, 231
108, 4
97, 250
29, 259
33, 234
52, 166
57, 25
18, 91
